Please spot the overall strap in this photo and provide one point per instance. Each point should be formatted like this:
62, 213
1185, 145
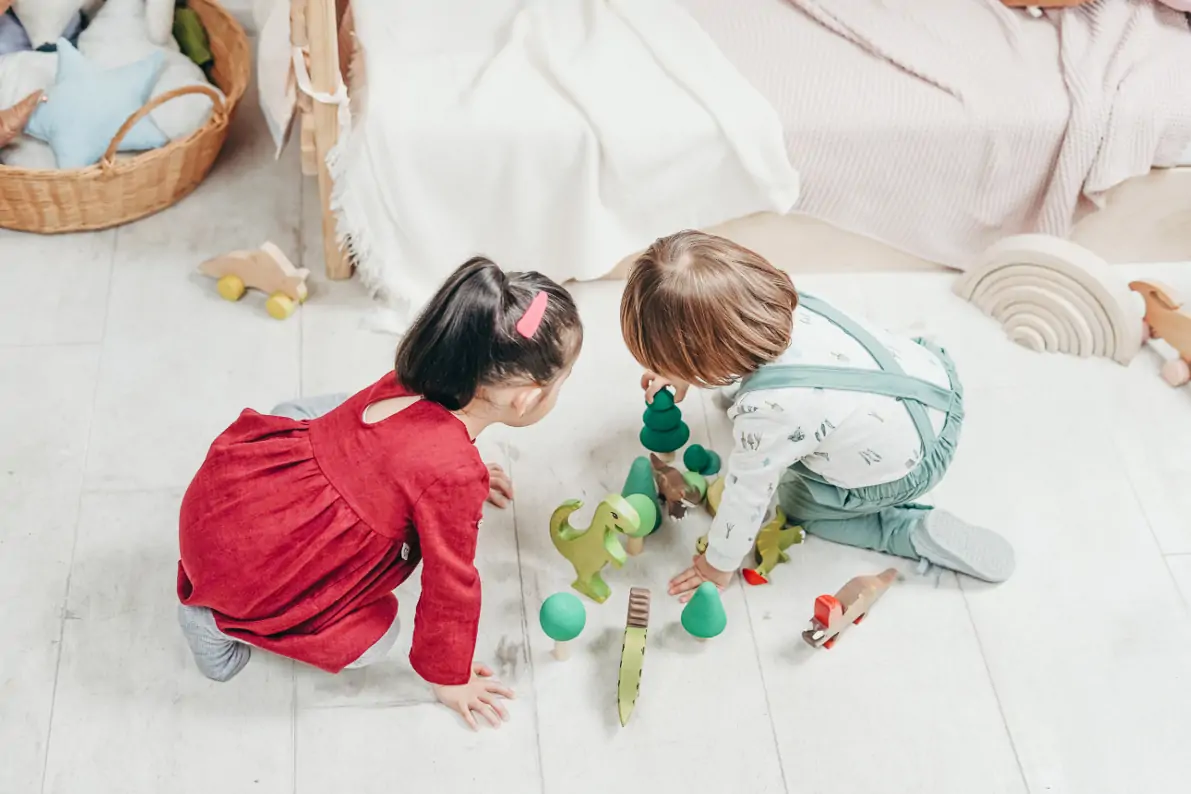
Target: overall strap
890, 380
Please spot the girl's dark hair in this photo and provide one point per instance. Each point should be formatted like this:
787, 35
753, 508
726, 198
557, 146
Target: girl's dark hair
466, 337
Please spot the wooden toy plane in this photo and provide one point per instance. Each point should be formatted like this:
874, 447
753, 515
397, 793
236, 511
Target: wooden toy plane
266, 269
834, 614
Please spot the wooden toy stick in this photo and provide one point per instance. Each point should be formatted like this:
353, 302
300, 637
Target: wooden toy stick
634, 546
632, 654
834, 614
562, 650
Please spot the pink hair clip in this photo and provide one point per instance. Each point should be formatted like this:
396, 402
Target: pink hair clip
527, 326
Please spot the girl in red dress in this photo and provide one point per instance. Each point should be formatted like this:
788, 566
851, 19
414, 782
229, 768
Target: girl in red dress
299, 524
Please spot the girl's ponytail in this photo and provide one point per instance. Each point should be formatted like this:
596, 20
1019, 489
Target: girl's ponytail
466, 337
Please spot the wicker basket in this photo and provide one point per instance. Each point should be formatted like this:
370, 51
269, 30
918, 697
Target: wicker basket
114, 191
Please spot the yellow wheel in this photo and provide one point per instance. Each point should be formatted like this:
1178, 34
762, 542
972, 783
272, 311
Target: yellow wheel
280, 306
231, 288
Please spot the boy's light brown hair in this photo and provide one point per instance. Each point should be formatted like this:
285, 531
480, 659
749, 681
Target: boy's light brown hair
706, 310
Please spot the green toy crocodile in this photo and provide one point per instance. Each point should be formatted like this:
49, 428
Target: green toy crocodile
589, 550
772, 541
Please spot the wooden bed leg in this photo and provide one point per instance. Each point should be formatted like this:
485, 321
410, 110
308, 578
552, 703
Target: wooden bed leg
324, 76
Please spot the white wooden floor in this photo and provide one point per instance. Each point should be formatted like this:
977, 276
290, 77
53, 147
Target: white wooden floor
118, 366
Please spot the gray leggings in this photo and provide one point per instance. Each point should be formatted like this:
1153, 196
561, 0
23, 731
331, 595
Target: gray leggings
220, 656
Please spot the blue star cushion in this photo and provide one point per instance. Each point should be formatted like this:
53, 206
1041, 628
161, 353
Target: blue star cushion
87, 105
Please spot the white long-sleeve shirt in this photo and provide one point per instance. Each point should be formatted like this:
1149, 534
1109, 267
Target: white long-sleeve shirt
851, 439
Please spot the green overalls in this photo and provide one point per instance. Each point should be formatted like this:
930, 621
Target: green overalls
878, 517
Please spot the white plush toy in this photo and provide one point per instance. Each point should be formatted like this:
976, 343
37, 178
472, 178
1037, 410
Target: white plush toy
122, 33
44, 20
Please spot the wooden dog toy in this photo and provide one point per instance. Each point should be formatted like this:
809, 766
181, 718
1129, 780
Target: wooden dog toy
834, 614
562, 617
1166, 321
675, 492
772, 541
703, 616
632, 654
589, 550
266, 269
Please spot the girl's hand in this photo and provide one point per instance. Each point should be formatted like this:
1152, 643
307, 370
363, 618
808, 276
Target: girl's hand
685, 583
500, 486
653, 383
481, 695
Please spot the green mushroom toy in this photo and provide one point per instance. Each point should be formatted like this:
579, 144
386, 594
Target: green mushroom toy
701, 460
704, 616
562, 617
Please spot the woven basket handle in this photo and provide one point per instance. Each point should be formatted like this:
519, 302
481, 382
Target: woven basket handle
218, 110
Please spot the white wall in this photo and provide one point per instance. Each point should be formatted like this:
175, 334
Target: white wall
242, 10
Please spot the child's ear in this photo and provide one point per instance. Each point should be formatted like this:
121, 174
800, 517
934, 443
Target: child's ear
527, 399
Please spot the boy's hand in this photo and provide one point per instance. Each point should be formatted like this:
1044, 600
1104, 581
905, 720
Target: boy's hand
481, 694
500, 486
654, 383
685, 583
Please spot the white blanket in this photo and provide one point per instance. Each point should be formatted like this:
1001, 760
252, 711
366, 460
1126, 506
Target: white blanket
553, 135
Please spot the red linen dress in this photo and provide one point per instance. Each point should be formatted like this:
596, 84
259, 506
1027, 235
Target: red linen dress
294, 533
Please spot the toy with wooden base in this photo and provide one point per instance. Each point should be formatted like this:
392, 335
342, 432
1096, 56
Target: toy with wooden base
562, 617
664, 431
1166, 320
589, 550
266, 269
641, 491
834, 614
632, 654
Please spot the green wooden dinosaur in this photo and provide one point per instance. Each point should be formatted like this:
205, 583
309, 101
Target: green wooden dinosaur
772, 541
589, 550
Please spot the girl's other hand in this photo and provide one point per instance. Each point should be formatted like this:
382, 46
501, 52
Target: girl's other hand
481, 695
500, 486
653, 383
685, 583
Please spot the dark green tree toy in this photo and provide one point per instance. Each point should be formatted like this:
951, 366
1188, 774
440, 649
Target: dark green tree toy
664, 430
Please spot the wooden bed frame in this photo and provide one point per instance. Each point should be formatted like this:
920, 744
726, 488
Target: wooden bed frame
1146, 219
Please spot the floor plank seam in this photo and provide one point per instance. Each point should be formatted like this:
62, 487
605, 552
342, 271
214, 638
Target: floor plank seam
78, 516
1021, 770
537, 722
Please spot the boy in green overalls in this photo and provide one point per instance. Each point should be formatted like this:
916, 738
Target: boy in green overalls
846, 423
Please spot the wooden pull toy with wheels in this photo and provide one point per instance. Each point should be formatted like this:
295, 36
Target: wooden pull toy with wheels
266, 269
834, 614
1166, 320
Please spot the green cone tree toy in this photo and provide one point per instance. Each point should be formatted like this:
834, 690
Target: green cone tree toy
704, 616
664, 430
